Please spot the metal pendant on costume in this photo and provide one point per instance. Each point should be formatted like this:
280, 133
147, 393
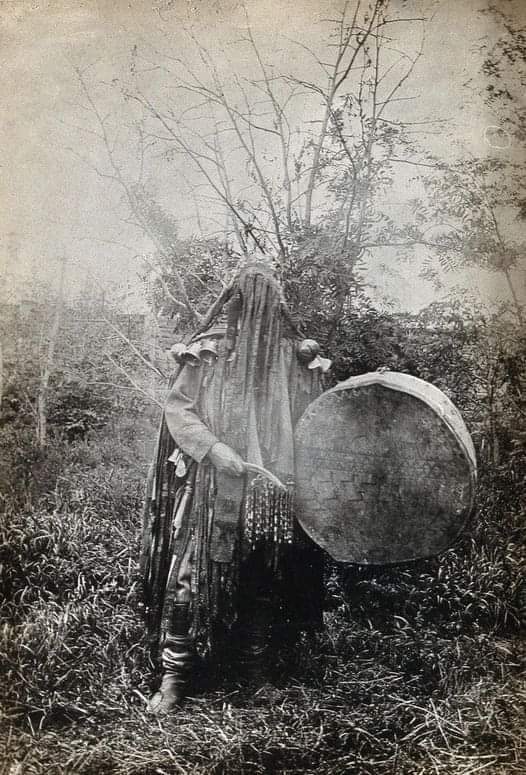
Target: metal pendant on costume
202, 350
192, 354
308, 352
208, 350
268, 513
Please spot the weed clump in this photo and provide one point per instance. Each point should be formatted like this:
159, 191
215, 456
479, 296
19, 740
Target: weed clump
409, 675
420, 668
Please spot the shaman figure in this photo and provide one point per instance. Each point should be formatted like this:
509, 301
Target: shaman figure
223, 557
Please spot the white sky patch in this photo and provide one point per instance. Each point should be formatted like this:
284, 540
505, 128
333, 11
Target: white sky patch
55, 206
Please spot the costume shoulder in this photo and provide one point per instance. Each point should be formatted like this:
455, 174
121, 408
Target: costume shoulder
182, 408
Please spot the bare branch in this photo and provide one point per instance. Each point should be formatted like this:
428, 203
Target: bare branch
197, 159
136, 386
415, 163
337, 78
134, 349
280, 122
131, 198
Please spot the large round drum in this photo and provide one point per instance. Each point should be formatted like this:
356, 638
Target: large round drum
385, 470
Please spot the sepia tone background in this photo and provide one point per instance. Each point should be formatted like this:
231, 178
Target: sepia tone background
54, 204
147, 149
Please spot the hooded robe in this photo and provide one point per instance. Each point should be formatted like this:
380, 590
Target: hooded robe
247, 388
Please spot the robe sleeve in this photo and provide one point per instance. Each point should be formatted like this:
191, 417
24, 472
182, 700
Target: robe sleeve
182, 418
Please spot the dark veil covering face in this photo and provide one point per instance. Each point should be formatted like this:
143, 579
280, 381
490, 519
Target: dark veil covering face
255, 395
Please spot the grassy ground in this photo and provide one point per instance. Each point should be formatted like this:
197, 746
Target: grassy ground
419, 670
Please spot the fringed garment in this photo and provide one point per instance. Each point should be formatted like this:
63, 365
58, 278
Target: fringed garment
249, 397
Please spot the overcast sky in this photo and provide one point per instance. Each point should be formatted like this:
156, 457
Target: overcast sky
54, 206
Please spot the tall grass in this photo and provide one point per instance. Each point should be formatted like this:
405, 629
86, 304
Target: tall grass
420, 668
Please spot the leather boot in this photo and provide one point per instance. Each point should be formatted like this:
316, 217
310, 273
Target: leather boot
177, 659
255, 634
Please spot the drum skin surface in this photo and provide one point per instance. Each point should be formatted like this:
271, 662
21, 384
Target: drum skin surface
385, 470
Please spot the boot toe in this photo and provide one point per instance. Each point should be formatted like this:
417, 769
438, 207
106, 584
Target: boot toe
165, 700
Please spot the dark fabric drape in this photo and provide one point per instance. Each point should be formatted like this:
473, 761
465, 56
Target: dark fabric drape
250, 398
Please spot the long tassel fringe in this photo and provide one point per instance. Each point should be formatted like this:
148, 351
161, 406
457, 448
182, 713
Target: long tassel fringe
268, 513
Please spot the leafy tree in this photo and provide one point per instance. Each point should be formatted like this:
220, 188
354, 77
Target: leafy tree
475, 207
71, 368
504, 67
474, 211
291, 164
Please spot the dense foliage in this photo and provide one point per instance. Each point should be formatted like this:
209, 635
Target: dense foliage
418, 669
